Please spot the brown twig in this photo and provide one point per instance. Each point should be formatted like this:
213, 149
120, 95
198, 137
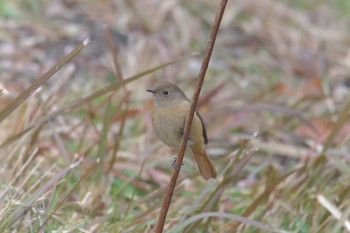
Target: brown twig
109, 39
119, 75
183, 144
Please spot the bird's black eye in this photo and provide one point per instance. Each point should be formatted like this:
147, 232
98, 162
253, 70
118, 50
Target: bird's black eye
166, 92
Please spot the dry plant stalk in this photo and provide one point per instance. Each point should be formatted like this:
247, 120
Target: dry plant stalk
189, 119
42, 79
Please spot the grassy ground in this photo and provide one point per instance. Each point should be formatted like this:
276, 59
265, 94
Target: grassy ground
79, 155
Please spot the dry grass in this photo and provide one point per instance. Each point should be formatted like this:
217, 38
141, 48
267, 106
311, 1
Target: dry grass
79, 154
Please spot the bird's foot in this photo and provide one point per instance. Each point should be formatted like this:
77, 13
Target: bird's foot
174, 165
183, 133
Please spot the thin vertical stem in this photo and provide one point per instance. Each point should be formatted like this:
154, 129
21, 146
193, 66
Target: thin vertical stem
211, 42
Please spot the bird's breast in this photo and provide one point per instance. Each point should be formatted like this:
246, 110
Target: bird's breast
168, 122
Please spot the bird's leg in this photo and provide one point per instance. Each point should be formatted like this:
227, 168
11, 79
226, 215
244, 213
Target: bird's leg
174, 164
182, 134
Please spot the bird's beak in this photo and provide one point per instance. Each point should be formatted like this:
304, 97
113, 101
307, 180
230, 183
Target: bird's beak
150, 90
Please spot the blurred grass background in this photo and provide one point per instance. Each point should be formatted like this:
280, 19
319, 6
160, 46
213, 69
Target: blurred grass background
275, 102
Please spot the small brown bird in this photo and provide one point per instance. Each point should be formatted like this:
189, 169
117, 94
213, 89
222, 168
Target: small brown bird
168, 119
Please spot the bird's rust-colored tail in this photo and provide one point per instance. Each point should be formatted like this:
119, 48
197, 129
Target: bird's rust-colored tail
206, 167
